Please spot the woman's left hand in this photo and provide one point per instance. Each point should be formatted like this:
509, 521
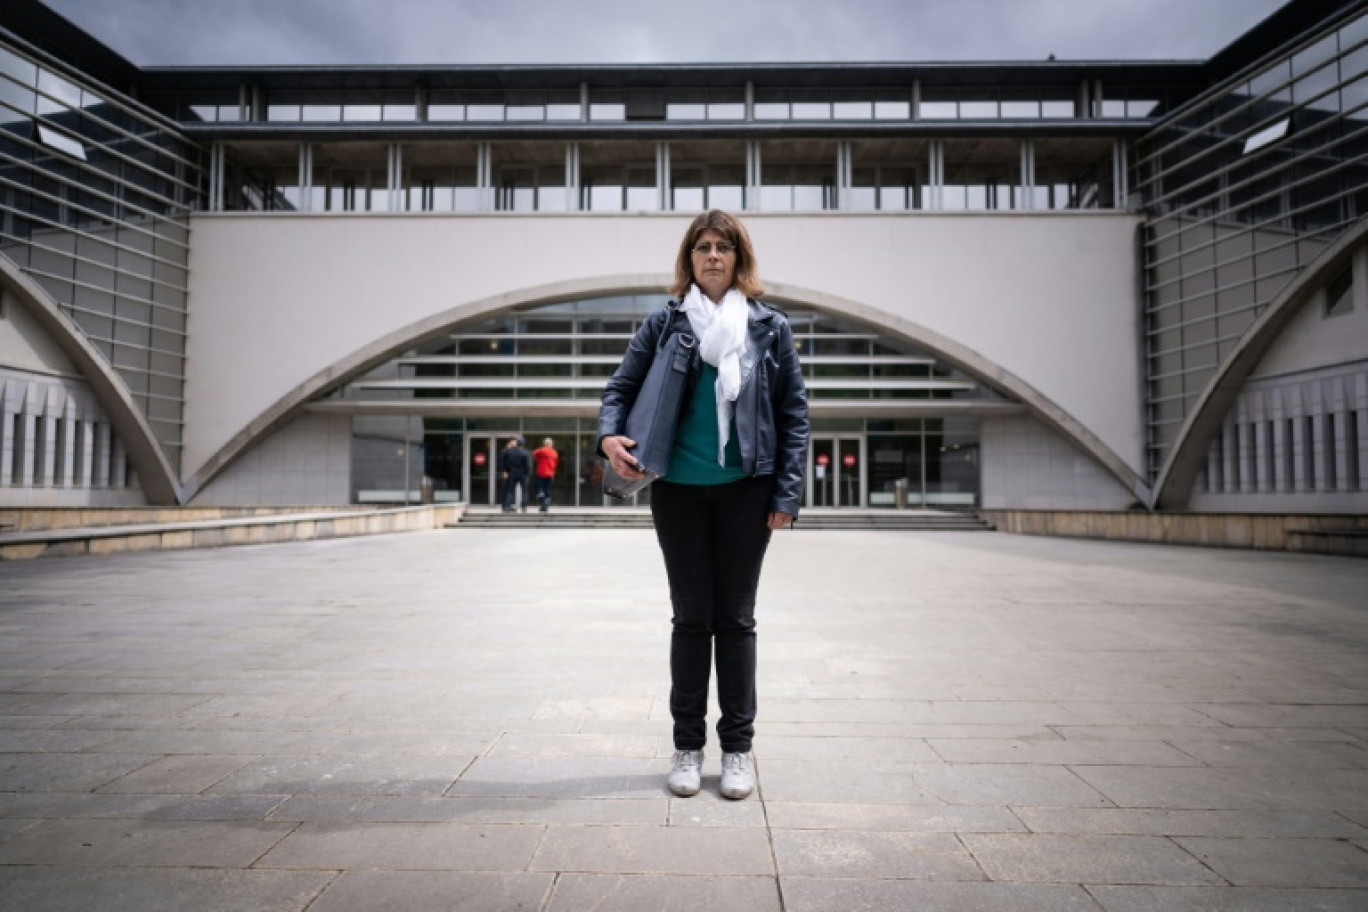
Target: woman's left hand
779, 520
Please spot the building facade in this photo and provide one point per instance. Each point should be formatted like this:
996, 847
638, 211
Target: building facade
1056, 285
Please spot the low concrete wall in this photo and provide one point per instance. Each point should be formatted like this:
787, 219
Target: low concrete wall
38, 519
1318, 533
175, 529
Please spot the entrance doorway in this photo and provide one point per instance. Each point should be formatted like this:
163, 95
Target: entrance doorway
837, 472
482, 456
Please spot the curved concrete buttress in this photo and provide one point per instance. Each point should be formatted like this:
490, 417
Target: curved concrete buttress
1173, 487
392, 344
154, 470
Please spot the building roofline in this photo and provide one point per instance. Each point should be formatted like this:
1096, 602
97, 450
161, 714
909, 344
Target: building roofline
1177, 73
49, 31
1280, 28
291, 131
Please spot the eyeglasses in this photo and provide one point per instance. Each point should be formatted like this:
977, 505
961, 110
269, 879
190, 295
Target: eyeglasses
722, 248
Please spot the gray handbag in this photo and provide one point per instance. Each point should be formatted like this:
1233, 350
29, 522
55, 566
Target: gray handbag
654, 416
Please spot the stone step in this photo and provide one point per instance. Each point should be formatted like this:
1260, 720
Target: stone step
267, 528
638, 518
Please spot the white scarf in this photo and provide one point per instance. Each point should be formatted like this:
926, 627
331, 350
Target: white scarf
722, 337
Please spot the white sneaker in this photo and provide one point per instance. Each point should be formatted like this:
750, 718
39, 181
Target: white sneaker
686, 778
738, 778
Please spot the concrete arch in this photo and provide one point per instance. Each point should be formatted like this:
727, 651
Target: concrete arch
157, 477
1173, 487
392, 344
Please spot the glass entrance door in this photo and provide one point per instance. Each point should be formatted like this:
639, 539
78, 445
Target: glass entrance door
481, 479
836, 472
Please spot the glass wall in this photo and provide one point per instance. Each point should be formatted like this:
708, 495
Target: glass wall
1243, 189
925, 97
1073, 173
798, 176
981, 174
441, 177
548, 365
95, 193
618, 177
937, 458
795, 175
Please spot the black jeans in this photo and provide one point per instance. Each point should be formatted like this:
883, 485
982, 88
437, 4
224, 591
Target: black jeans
513, 485
714, 539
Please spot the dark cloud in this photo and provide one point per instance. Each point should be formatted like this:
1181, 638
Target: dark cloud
166, 32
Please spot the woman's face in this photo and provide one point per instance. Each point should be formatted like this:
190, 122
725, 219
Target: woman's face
714, 264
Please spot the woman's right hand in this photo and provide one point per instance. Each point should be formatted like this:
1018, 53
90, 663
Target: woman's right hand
622, 461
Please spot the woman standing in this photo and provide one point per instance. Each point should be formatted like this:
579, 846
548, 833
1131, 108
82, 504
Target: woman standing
735, 475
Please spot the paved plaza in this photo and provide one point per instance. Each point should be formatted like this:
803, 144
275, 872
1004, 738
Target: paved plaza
477, 720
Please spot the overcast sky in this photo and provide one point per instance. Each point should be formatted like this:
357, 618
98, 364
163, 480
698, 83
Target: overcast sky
188, 32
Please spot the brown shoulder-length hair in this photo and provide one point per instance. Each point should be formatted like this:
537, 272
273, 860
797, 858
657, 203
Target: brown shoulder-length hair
733, 232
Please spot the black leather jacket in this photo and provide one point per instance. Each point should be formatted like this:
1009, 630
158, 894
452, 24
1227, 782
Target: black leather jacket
771, 409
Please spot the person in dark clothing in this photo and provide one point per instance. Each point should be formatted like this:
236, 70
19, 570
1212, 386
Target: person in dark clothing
735, 475
514, 466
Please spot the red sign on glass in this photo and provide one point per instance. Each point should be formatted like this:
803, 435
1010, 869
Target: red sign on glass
848, 460
823, 459
480, 458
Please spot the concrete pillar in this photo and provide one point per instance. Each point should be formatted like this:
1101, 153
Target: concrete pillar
101, 476
118, 465
85, 454
68, 476
1246, 453
7, 443
28, 426
1230, 445
45, 452
1278, 457
1340, 408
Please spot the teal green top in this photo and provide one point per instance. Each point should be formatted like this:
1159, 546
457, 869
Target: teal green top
693, 461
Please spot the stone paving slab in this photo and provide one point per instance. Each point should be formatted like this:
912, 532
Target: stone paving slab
1226, 899
435, 891
873, 855
809, 894
89, 806
1148, 822
345, 774
947, 722
417, 809
935, 819
142, 843
1048, 858
182, 773
1282, 862
404, 847
65, 889
663, 893
655, 850
1286, 788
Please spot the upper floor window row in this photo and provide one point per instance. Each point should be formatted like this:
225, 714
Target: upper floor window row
592, 104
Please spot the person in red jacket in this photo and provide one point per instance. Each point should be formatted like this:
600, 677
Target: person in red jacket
545, 459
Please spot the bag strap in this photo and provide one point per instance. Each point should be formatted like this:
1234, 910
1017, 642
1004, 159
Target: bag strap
673, 308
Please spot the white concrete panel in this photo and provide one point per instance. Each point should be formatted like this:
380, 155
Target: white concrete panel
1027, 466
24, 345
1313, 340
298, 465
277, 299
